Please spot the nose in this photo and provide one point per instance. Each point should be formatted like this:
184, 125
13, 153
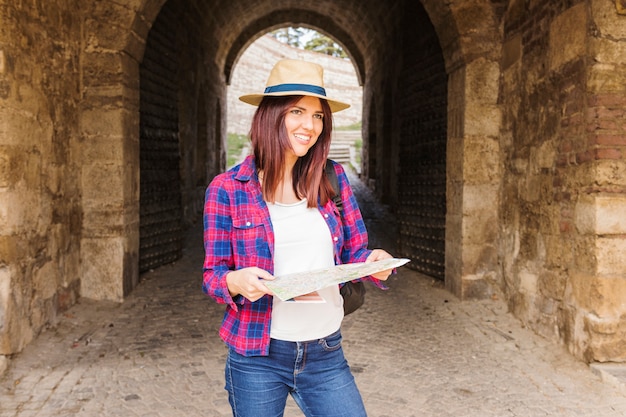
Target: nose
307, 123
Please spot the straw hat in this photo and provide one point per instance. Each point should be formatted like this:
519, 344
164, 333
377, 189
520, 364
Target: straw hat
292, 77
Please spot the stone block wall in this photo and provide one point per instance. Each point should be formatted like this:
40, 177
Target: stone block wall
597, 296
40, 207
563, 241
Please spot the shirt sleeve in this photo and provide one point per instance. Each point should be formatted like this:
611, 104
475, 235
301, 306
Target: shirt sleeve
218, 255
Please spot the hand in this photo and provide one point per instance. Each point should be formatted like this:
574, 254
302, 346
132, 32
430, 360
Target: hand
249, 283
377, 255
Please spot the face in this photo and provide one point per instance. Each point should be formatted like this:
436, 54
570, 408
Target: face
304, 123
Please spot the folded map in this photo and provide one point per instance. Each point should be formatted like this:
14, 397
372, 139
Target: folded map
289, 286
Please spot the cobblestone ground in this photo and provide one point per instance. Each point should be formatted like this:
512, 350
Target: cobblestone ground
415, 351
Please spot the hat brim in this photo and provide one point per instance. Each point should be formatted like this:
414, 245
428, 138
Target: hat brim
255, 99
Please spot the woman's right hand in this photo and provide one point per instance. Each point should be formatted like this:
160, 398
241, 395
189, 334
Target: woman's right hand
248, 282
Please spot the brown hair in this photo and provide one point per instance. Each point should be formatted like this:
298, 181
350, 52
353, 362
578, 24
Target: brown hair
270, 141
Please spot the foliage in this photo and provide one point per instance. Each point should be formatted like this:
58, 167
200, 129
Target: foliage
355, 126
289, 35
325, 45
358, 147
236, 144
310, 40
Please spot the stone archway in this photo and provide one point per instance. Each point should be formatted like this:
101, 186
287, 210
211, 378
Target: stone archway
534, 145
472, 67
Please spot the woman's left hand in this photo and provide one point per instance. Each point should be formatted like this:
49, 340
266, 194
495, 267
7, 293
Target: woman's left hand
377, 255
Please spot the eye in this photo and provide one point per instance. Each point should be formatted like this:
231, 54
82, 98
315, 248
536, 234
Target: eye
296, 111
318, 116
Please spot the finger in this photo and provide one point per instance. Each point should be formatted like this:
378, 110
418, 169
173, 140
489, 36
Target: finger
377, 255
267, 291
260, 288
262, 274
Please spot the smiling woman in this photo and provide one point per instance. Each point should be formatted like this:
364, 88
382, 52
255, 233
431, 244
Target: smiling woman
273, 214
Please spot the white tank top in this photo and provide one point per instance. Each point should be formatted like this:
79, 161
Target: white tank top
303, 243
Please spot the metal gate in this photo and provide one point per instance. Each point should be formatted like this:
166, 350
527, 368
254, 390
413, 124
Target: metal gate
422, 176
160, 223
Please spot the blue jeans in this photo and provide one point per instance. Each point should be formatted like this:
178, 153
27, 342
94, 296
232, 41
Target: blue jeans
315, 373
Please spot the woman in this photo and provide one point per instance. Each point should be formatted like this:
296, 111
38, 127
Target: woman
273, 215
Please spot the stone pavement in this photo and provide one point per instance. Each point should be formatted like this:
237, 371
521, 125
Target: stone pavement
415, 350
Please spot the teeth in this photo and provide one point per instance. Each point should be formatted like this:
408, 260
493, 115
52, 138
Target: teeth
305, 138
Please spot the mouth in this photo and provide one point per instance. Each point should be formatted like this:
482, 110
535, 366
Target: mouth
302, 138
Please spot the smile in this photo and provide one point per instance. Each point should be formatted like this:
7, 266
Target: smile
303, 138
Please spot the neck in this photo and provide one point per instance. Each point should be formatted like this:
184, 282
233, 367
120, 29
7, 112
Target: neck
284, 192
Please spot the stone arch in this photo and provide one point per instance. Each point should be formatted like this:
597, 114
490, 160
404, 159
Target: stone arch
69, 167
293, 18
468, 57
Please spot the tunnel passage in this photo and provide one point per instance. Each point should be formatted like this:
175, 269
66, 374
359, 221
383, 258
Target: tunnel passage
418, 108
532, 129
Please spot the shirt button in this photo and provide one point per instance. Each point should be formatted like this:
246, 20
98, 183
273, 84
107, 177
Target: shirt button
326, 215
248, 224
335, 238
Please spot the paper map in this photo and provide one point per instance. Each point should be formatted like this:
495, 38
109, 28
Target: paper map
289, 286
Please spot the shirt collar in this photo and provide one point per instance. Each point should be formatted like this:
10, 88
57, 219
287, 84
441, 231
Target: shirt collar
247, 170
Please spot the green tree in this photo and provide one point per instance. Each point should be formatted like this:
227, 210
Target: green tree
289, 35
325, 45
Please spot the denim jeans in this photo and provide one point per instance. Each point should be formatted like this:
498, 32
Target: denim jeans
315, 373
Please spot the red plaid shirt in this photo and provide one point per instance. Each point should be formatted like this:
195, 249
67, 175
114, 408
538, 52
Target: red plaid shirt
238, 234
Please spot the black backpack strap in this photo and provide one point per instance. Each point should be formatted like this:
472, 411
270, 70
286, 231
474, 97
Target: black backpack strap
353, 293
329, 169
